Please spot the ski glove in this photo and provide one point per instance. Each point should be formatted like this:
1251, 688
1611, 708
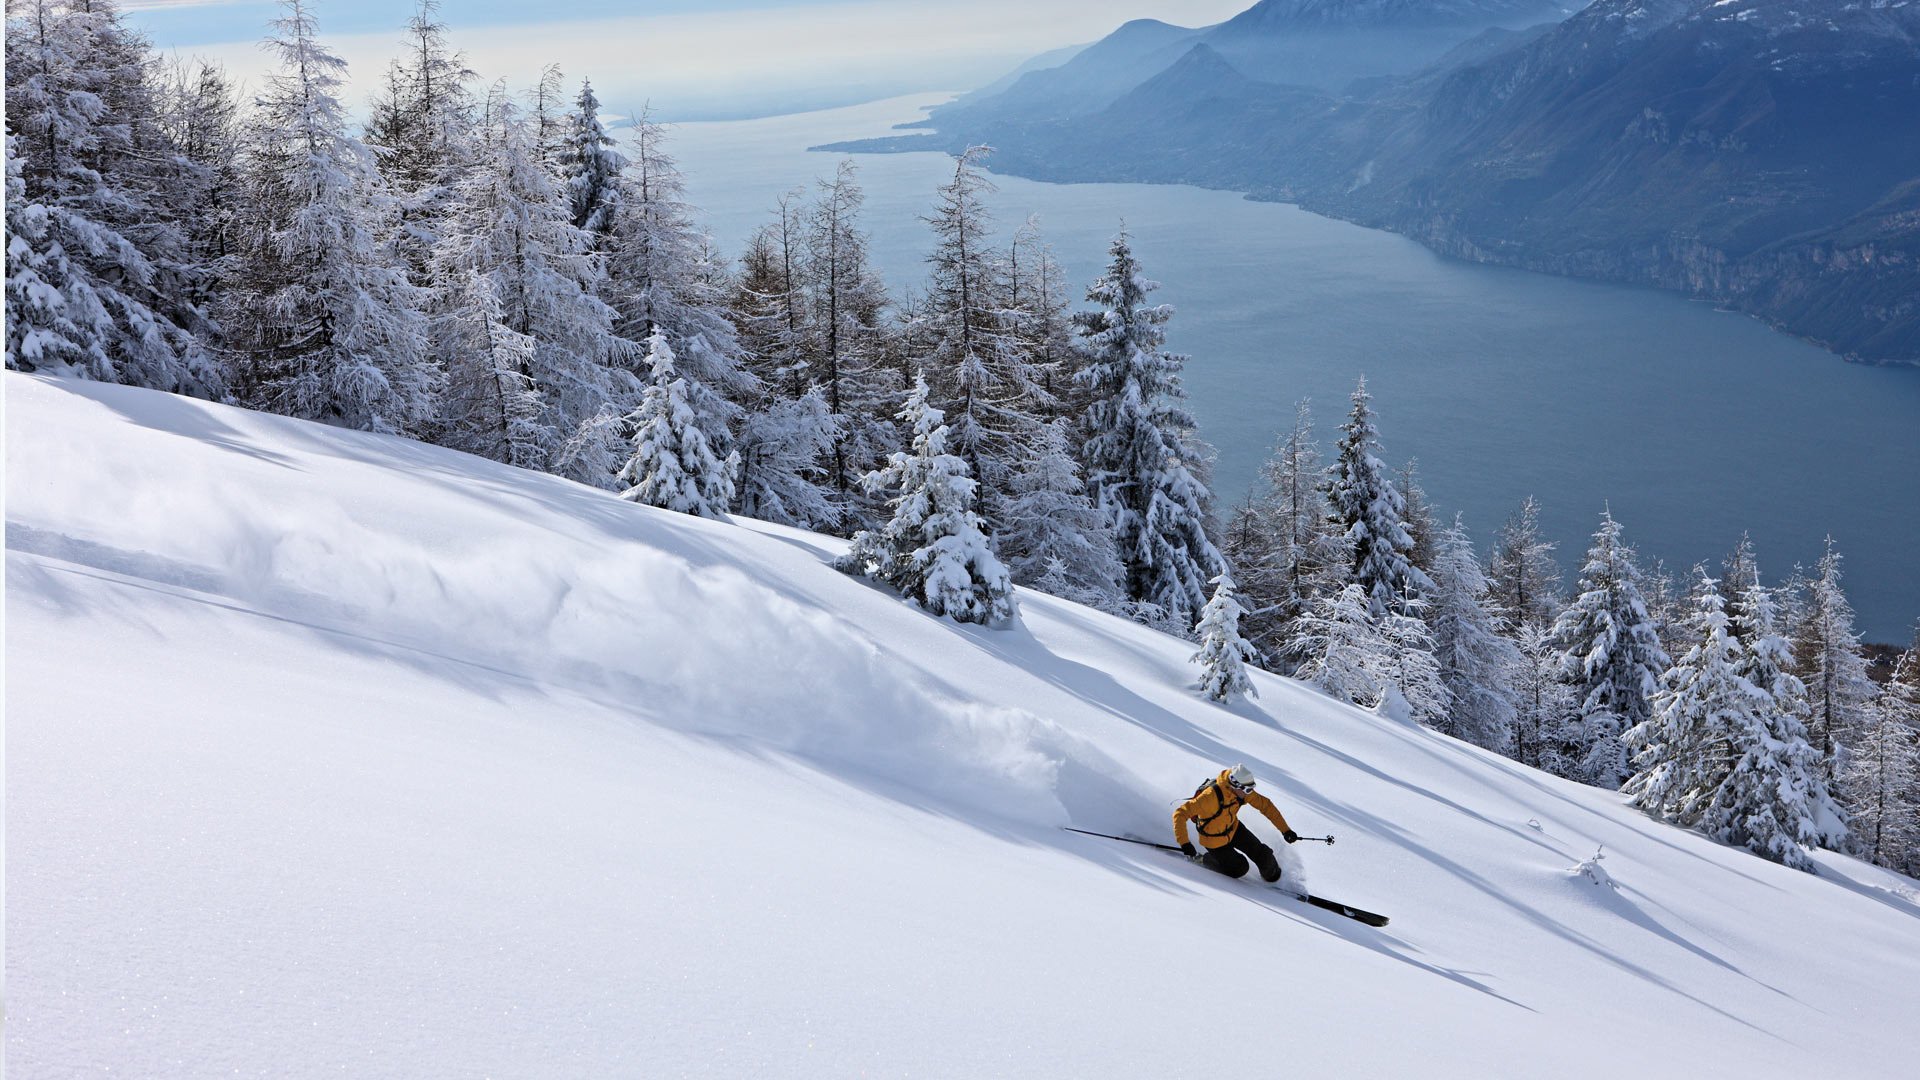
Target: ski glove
1290, 836
1187, 849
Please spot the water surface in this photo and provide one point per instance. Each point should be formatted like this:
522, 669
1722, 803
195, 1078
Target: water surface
1694, 424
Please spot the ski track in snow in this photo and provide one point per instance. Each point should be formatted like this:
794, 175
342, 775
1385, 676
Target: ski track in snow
337, 753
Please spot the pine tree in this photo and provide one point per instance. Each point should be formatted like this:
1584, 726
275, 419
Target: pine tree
1384, 664
658, 277
1418, 519
1143, 460
1830, 663
1610, 656
536, 376
933, 551
674, 465
1765, 661
1054, 538
1476, 663
1709, 758
846, 308
991, 394
1038, 304
782, 446
1369, 511
422, 124
97, 174
550, 121
1523, 578
325, 324
592, 168
1545, 723
1883, 774
1223, 654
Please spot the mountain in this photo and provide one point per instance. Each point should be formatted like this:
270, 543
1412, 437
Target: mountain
331, 753
1761, 154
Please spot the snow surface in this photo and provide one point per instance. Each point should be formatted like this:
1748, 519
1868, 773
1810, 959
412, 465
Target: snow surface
330, 754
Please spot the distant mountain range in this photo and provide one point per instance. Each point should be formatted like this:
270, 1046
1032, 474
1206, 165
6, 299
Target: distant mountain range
1764, 154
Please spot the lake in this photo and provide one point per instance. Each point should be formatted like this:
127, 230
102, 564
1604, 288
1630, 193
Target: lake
1694, 424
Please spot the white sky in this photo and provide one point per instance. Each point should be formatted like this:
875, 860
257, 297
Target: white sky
703, 58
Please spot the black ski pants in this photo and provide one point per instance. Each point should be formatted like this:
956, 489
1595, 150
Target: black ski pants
1231, 858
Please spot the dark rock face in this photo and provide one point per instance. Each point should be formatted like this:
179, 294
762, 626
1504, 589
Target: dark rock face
1764, 154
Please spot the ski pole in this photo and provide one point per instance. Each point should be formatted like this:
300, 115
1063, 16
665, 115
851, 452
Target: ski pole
1327, 840
1126, 839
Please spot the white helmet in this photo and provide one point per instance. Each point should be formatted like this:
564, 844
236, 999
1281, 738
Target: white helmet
1240, 777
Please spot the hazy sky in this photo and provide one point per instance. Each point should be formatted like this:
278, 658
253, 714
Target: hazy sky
691, 57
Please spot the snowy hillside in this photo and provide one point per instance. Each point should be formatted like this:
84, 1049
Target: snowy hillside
335, 754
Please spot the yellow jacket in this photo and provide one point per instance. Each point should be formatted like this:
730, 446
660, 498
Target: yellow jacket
1214, 811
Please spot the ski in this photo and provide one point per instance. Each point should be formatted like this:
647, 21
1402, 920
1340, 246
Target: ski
1335, 906
1368, 917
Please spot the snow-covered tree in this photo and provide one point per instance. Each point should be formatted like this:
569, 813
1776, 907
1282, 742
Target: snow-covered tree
550, 121
1883, 773
674, 465
1418, 518
1038, 304
1053, 532
990, 393
658, 277
97, 178
1610, 656
933, 550
1545, 723
591, 167
1385, 664
1144, 463
782, 446
517, 320
1710, 757
1523, 578
422, 124
1830, 663
322, 319
1224, 654
846, 307
1279, 543
1765, 661
1476, 663
1368, 509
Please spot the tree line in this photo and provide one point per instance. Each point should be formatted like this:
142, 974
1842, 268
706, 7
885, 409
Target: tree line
497, 272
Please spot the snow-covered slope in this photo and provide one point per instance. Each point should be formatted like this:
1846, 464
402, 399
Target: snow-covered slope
335, 754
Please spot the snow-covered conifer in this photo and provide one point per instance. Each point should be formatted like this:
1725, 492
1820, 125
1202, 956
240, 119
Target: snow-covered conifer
1476, 663
674, 465
658, 278
1830, 663
1418, 518
1369, 510
422, 124
97, 176
782, 446
1524, 580
1053, 531
1883, 773
1038, 304
518, 321
1144, 463
592, 166
1544, 718
324, 322
1710, 758
1610, 656
1383, 663
843, 348
1224, 654
933, 550
991, 394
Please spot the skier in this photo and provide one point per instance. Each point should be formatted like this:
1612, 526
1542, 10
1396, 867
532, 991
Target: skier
1214, 810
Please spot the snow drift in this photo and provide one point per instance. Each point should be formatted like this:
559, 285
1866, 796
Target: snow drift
333, 753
